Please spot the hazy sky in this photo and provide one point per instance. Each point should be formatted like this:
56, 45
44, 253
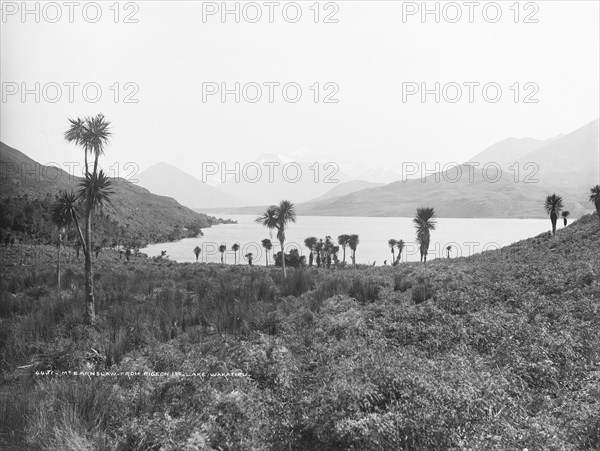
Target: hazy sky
368, 54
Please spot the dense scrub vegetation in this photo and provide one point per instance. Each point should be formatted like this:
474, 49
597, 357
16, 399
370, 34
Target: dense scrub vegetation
23, 218
497, 351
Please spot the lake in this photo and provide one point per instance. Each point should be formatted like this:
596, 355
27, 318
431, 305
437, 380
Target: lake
466, 236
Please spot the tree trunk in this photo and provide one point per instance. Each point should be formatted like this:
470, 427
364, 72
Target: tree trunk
283, 259
266, 257
344, 248
58, 262
553, 218
90, 310
393, 255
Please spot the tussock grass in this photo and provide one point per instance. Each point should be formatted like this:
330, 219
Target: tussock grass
478, 353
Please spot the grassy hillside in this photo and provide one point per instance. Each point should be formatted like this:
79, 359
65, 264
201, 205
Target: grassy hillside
498, 351
134, 212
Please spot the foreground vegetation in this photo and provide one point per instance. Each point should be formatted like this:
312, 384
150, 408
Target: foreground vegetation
499, 351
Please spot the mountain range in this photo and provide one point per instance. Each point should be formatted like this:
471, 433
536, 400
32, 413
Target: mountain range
167, 180
520, 172
252, 183
568, 165
508, 179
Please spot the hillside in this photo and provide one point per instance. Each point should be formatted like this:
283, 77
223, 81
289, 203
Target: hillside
167, 180
339, 190
571, 162
507, 151
568, 165
348, 187
137, 212
497, 351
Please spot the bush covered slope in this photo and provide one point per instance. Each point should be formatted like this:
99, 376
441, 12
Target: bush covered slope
498, 351
28, 188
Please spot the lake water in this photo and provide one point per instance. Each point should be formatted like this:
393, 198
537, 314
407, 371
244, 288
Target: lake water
466, 236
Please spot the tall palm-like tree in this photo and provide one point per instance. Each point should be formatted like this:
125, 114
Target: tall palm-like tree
222, 249
424, 222
75, 135
266, 243
235, 248
310, 243
353, 244
448, 249
319, 248
91, 133
565, 214
97, 133
400, 247
328, 251
334, 253
595, 198
343, 241
64, 213
392, 243
278, 218
197, 251
249, 256
553, 206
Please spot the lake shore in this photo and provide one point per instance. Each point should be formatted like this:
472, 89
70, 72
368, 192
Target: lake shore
467, 237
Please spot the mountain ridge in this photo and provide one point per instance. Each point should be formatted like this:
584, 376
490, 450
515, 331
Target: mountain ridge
454, 193
165, 179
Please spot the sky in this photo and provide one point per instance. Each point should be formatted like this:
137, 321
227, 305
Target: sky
365, 58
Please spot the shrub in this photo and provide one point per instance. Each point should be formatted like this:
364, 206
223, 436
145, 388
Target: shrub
421, 291
364, 289
401, 284
72, 415
331, 286
297, 282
